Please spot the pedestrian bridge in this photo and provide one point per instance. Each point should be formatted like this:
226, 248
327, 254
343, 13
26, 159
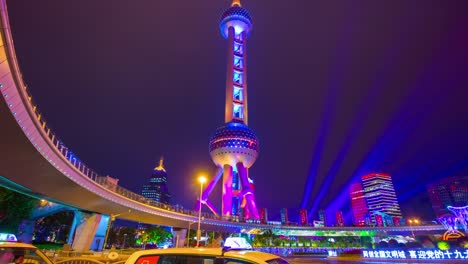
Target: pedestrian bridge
34, 161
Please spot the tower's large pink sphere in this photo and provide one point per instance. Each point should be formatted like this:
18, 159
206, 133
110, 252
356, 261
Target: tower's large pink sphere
234, 143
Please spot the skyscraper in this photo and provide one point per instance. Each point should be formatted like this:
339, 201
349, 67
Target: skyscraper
234, 146
358, 204
263, 215
303, 217
339, 218
323, 217
452, 191
156, 189
380, 194
284, 216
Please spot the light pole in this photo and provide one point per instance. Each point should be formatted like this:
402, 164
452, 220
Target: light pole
111, 219
125, 238
411, 222
201, 180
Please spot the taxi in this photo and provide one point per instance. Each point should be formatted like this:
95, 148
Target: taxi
234, 252
12, 251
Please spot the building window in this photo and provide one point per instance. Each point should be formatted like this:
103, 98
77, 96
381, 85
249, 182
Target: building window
238, 111
238, 48
238, 94
237, 78
238, 62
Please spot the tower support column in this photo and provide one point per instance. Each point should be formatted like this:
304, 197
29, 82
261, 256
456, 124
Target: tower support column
247, 191
227, 191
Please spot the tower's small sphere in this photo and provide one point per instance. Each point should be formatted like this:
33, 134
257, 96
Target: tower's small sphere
234, 143
236, 17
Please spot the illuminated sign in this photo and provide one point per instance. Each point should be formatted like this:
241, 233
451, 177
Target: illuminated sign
319, 223
237, 243
415, 254
8, 237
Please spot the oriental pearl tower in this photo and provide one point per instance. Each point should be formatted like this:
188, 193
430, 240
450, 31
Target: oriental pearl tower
234, 146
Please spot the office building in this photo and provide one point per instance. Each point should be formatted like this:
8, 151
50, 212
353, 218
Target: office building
380, 195
451, 191
156, 188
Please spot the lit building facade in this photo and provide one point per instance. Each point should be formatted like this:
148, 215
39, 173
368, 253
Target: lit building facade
234, 146
284, 216
452, 191
323, 217
358, 204
263, 215
156, 189
339, 218
380, 195
303, 217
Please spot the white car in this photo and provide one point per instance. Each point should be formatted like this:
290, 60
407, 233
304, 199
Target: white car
12, 251
202, 256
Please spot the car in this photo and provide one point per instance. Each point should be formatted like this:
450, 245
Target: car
227, 255
12, 251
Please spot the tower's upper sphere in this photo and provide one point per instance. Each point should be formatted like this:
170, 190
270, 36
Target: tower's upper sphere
236, 17
234, 143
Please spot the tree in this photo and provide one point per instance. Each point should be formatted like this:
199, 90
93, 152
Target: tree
14, 207
123, 237
56, 227
155, 235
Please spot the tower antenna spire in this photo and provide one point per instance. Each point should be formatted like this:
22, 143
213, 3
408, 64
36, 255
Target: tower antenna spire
161, 164
236, 3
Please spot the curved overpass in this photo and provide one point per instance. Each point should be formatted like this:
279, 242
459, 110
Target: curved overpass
35, 161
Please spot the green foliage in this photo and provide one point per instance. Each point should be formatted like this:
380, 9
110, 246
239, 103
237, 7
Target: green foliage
117, 236
155, 235
48, 246
266, 239
14, 207
54, 228
443, 245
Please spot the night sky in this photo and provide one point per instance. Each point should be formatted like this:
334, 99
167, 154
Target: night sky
336, 89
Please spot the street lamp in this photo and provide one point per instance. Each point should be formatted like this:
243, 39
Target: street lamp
201, 180
411, 222
111, 219
125, 238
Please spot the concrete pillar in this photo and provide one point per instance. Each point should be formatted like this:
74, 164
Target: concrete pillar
99, 236
227, 191
76, 219
90, 230
178, 237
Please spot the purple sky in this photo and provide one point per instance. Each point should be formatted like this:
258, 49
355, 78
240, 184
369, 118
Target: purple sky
336, 89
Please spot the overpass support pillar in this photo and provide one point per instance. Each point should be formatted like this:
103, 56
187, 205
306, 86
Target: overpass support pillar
178, 237
88, 231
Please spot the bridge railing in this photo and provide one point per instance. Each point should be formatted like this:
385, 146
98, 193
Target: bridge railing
85, 170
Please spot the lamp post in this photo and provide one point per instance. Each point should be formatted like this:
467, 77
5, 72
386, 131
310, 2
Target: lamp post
411, 222
201, 180
125, 238
111, 219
